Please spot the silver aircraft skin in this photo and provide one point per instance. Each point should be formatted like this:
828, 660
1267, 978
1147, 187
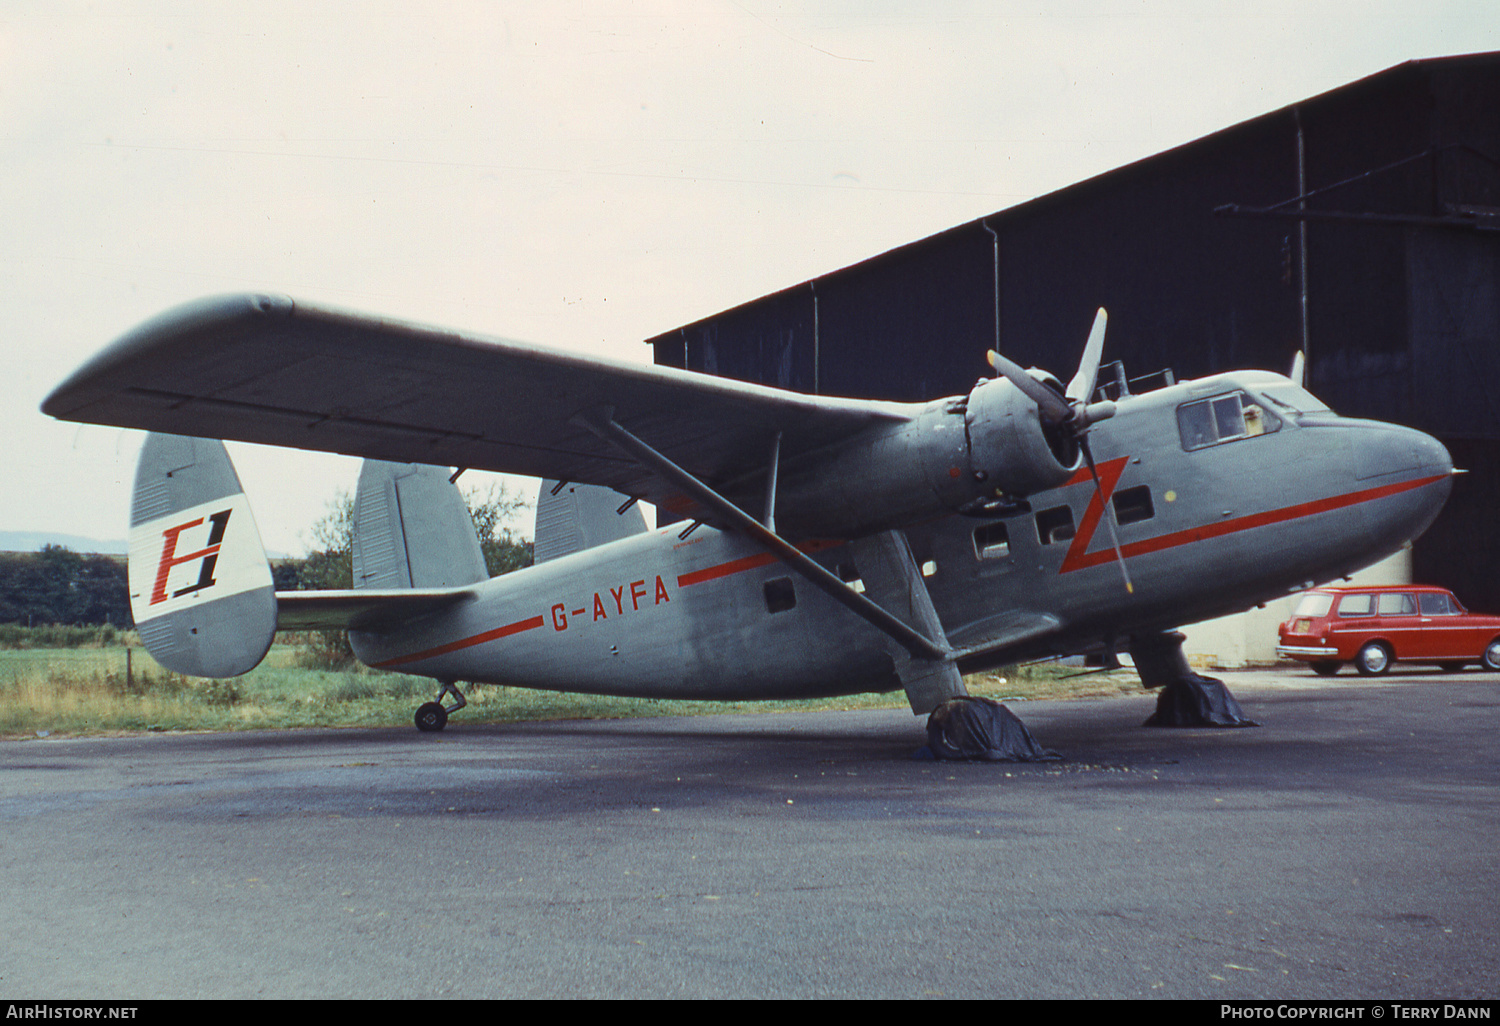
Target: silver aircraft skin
1232, 525
831, 546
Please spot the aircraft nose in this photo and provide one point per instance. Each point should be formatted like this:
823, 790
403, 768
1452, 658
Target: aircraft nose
1384, 450
1411, 471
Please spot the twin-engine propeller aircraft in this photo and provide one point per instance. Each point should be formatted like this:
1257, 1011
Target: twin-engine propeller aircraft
827, 546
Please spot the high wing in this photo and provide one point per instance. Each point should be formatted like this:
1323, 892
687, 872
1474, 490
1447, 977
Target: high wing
266, 369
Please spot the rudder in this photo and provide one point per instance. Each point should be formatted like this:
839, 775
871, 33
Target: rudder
200, 587
572, 517
412, 529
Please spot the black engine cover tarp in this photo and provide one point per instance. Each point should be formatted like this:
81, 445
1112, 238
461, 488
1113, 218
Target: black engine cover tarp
1197, 702
980, 729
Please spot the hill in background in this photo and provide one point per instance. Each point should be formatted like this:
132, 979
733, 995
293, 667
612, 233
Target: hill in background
33, 541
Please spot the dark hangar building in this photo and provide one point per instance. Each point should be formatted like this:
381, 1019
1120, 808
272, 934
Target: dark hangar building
1361, 226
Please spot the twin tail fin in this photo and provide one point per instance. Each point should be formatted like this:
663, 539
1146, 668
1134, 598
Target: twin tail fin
200, 587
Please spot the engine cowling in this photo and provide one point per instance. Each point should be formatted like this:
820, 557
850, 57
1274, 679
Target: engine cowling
955, 455
1013, 448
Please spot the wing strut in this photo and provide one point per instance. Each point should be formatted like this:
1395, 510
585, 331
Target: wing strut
601, 421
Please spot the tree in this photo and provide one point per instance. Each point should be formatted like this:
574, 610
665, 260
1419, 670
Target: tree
330, 565
504, 551
59, 586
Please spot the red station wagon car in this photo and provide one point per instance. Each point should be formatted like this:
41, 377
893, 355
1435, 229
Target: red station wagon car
1375, 627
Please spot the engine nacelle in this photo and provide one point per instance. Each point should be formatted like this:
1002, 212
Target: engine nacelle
1011, 446
955, 455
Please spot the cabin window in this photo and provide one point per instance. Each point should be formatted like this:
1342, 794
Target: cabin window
991, 541
1133, 505
849, 574
1054, 525
1224, 418
780, 595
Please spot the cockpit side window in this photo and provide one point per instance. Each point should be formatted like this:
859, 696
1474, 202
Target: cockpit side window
1223, 418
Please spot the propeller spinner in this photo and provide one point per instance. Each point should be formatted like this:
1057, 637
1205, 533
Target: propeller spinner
1072, 412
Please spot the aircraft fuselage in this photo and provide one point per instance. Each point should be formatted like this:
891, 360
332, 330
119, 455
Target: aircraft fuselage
1229, 491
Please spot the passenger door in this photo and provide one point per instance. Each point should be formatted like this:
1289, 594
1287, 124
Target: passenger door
1444, 634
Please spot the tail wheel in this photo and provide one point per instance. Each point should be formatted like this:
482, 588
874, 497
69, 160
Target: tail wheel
431, 716
1374, 659
1491, 657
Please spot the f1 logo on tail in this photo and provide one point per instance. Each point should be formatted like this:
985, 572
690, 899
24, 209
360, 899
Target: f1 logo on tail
201, 554
209, 556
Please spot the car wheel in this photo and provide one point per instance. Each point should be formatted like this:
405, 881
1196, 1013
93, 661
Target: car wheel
1326, 668
1373, 659
1491, 657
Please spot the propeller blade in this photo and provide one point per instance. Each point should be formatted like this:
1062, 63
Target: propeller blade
1109, 514
1053, 406
1081, 388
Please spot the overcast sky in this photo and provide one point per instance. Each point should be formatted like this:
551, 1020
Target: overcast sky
582, 174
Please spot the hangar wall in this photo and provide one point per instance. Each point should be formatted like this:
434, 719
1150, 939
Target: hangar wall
1361, 225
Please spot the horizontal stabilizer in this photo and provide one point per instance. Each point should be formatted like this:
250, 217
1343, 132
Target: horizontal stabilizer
200, 586
362, 609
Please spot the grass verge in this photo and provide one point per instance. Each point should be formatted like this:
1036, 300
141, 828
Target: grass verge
101, 690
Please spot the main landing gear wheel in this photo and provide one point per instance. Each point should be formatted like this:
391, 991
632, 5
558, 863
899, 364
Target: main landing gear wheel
432, 716
1373, 659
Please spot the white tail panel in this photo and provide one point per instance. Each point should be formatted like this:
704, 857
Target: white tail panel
200, 587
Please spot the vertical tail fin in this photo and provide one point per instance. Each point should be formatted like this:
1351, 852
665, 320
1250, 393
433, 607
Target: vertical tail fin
571, 518
412, 529
200, 586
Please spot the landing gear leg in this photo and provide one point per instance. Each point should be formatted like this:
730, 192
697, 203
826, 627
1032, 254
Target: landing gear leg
434, 715
1187, 699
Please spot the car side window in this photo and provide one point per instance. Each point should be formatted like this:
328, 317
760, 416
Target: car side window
1357, 605
1396, 604
1223, 418
1439, 604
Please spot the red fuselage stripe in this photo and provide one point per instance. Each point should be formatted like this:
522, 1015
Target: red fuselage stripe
455, 646
1078, 560
760, 559
713, 573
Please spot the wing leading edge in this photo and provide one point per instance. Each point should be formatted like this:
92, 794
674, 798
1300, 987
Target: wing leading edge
270, 370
